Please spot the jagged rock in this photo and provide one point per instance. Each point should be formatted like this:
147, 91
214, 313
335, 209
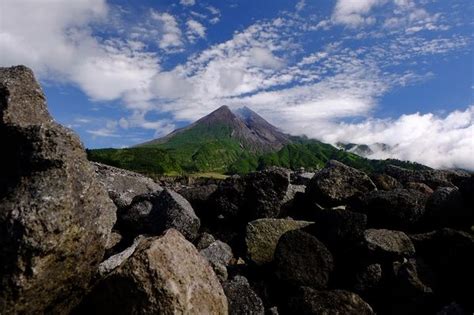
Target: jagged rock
423, 188
204, 240
368, 278
198, 197
272, 311
449, 255
242, 299
257, 195
387, 244
385, 182
432, 178
338, 228
335, 302
164, 275
156, 212
395, 209
446, 208
302, 260
263, 234
292, 191
218, 253
123, 185
55, 217
116, 260
337, 184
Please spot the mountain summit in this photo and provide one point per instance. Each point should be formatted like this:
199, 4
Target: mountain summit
245, 126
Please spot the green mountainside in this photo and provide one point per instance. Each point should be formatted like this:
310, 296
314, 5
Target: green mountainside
225, 143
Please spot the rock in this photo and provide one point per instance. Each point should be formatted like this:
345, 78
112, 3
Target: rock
292, 191
257, 195
368, 278
399, 209
156, 212
338, 228
164, 275
386, 244
124, 185
266, 191
302, 260
385, 182
449, 254
204, 240
302, 178
242, 299
423, 188
263, 234
452, 309
337, 184
114, 239
55, 217
198, 197
272, 311
218, 253
430, 177
333, 302
446, 208
116, 260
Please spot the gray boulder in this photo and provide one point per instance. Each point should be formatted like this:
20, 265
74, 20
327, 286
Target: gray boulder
218, 253
55, 217
387, 244
164, 275
335, 302
263, 234
302, 260
156, 212
242, 299
338, 184
123, 185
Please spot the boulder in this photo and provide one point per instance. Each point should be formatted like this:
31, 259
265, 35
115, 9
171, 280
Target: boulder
204, 240
302, 260
430, 177
263, 234
164, 275
385, 182
335, 302
386, 244
218, 253
421, 187
337, 184
446, 208
338, 228
242, 299
55, 217
156, 212
124, 185
368, 278
448, 253
399, 209
198, 197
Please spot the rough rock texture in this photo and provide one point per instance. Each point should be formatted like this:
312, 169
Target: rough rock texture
337, 227
156, 212
198, 197
204, 240
337, 184
335, 302
398, 209
263, 234
165, 275
385, 182
368, 278
432, 178
55, 217
123, 185
242, 299
448, 253
218, 253
301, 259
423, 188
446, 208
388, 244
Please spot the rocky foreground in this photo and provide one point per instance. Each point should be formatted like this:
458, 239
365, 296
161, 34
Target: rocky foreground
83, 238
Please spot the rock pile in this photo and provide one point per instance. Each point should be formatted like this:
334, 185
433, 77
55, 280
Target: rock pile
270, 242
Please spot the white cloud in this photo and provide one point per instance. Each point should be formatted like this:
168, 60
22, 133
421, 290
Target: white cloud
440, 142
187, 2
354, 13
300, 5
170, 37
195, 30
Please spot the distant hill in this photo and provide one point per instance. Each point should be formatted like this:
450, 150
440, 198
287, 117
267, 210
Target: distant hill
231, 142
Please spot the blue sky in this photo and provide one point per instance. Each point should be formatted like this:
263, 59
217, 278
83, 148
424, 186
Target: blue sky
365, 71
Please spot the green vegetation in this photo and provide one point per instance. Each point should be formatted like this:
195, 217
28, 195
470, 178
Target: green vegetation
213, 150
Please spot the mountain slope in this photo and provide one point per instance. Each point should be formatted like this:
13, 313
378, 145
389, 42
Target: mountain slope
230, 142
